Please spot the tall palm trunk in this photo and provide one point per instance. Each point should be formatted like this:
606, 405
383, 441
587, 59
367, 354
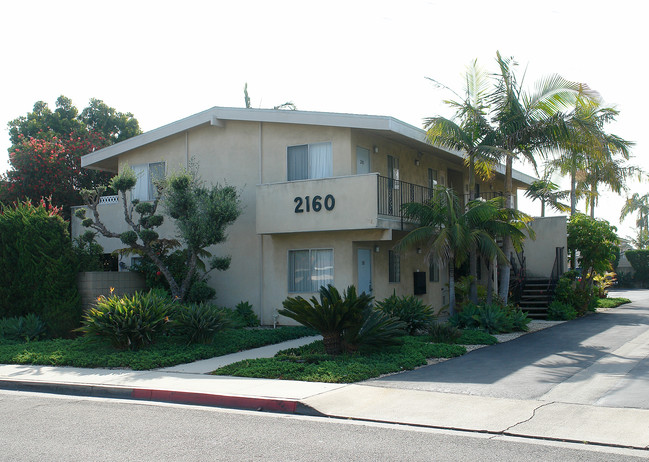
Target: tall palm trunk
505, 267
473, 253
451, 284
593, 195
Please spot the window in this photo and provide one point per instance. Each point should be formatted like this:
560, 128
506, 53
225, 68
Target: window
309, 269
433, 271
146, 175
309, 161
394, 267
393, 172
432, 178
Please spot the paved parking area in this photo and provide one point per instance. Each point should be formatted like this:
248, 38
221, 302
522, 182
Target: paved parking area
601, 359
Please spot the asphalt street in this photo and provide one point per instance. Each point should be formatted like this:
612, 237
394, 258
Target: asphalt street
39, 427
600, 359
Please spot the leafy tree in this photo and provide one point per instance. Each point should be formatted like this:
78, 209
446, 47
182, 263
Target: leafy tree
47, 147
201, 215
596, 242
448, 231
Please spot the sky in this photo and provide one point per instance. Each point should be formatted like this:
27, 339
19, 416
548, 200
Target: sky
163, 60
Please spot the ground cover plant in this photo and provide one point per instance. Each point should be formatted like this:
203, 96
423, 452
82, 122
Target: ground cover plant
311, 363
168, 350
612, 302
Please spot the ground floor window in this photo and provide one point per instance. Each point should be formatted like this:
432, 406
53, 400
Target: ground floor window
433, 271
394, 267
308, 269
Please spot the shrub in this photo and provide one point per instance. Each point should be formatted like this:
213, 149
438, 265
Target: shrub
493, 319
476, 337
464, 318
38, 268
245, 313
378, 329
23, 328
89, 253
560, 311
639, 260
346, 321
443, 333
408, 309
518, 319
199, 323
128, 322
603, 282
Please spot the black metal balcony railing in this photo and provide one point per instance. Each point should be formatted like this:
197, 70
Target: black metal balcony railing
392, 194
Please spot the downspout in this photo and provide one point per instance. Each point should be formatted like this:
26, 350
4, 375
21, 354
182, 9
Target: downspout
187, 150
260, 237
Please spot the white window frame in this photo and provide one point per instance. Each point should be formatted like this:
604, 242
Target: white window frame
291, 277
143, 173
309, 176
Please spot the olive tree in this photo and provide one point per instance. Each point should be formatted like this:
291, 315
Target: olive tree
201, 215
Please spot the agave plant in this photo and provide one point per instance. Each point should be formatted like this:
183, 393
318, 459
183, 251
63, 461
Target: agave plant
330, 315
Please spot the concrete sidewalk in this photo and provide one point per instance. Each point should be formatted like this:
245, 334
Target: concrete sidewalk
534, 418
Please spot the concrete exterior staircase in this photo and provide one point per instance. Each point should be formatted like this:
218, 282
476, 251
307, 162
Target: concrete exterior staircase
536, 296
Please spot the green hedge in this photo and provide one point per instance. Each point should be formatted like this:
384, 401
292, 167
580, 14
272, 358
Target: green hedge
639, 260
38, 267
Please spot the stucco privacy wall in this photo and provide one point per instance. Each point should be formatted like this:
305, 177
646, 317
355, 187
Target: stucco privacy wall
551, 232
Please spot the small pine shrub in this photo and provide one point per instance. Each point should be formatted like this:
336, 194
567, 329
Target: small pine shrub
559, 311
23, 328
410, 310
444, 333
128, 322
199, 323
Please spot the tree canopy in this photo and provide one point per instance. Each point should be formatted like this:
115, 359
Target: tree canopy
47, 145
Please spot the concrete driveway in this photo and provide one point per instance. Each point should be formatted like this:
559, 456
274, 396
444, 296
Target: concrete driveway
601, 359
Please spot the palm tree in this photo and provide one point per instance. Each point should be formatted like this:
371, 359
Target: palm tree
448, 231
528, 124
590, 151
640, 204
465, 132
549, 193
610, 172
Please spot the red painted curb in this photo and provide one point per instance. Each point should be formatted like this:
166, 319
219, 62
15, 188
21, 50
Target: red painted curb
206, 399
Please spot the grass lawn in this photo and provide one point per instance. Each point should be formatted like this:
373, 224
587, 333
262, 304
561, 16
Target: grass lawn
167, 351
611, 302
310, 363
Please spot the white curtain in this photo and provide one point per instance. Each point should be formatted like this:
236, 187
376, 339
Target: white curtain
299, 271
322, 268
320, 160
141, 189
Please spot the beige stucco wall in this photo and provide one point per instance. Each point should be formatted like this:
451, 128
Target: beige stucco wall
252, 157
551, 232
354, 206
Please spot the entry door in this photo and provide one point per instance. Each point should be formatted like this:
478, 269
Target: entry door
362, 160
364, 271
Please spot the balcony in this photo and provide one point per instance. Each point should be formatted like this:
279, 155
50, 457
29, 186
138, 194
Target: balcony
333, 204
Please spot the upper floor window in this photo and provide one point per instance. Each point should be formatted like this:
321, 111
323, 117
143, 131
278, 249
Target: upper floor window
394, 266
146, 175
432, 178
309, 161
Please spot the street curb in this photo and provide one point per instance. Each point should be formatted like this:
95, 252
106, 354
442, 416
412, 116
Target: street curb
286, 406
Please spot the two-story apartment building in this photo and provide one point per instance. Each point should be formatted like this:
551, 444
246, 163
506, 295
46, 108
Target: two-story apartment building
321, 195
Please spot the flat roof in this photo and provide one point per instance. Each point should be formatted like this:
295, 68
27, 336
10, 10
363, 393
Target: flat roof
218, 115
